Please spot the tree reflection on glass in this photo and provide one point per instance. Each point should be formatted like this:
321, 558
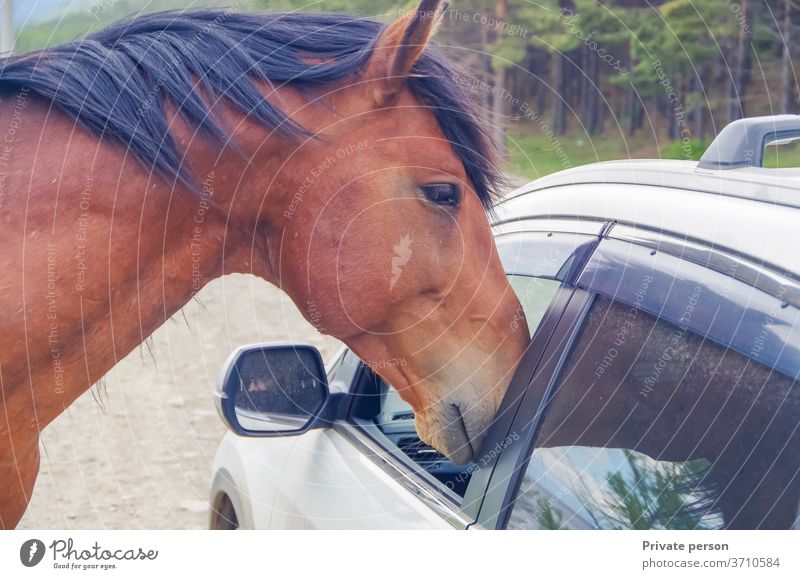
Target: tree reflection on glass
652, 494
547, 516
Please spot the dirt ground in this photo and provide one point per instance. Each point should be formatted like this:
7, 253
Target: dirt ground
140, 458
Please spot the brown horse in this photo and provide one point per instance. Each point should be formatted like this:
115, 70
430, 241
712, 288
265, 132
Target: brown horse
335, 157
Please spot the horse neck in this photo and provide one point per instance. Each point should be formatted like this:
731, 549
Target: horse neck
99, 252
115, 249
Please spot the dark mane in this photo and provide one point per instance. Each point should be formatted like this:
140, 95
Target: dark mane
114, 82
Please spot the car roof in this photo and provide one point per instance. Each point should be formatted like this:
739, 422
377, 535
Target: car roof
775, 186
750, 211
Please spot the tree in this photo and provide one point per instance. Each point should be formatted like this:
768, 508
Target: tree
785, 33
500, 88
740, 74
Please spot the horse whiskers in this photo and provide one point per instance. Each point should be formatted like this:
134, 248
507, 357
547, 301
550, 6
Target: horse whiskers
148, 343
185, 319
100, 394
196, 299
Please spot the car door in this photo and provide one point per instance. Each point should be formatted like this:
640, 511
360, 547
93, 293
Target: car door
666, 398
371, 470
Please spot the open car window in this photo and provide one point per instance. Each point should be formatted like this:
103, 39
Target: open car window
379, 405
536, 262
395, 420
381, 413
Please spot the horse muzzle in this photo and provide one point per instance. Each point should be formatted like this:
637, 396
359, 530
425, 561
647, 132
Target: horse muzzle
457, 428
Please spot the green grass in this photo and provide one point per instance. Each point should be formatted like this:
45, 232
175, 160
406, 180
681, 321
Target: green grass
533, 155
782, 156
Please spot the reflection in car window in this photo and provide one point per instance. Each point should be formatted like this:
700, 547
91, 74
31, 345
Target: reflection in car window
540, 253
535, 295
653, 426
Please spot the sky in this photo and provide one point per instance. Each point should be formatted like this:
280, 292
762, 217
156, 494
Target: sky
27, 12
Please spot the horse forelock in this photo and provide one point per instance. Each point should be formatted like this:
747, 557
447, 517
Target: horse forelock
115, 82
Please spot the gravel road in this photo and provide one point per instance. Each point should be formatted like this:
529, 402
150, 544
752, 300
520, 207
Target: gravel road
136, 454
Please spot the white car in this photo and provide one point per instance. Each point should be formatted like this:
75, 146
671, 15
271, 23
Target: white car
659, 389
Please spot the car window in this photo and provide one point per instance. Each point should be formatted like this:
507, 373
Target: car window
655, 425
394, 417
535, 262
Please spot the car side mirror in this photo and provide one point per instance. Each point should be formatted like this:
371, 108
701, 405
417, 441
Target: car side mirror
274, 390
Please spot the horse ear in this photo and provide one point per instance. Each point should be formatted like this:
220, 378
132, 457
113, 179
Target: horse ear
400, 45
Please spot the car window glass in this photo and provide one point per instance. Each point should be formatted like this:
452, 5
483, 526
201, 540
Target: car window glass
535, 295
655, 426
541, 254
762, 326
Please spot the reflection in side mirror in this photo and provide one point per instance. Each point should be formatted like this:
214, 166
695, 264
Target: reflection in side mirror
273, 390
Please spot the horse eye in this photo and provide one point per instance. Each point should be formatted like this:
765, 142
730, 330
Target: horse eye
442, 194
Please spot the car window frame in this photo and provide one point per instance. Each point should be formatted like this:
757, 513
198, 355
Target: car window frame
512, 461
524, 405
564, 306
565, 309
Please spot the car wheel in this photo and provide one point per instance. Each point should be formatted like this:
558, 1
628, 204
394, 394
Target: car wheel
223, 515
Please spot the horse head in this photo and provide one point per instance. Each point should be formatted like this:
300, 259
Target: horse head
381, 237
